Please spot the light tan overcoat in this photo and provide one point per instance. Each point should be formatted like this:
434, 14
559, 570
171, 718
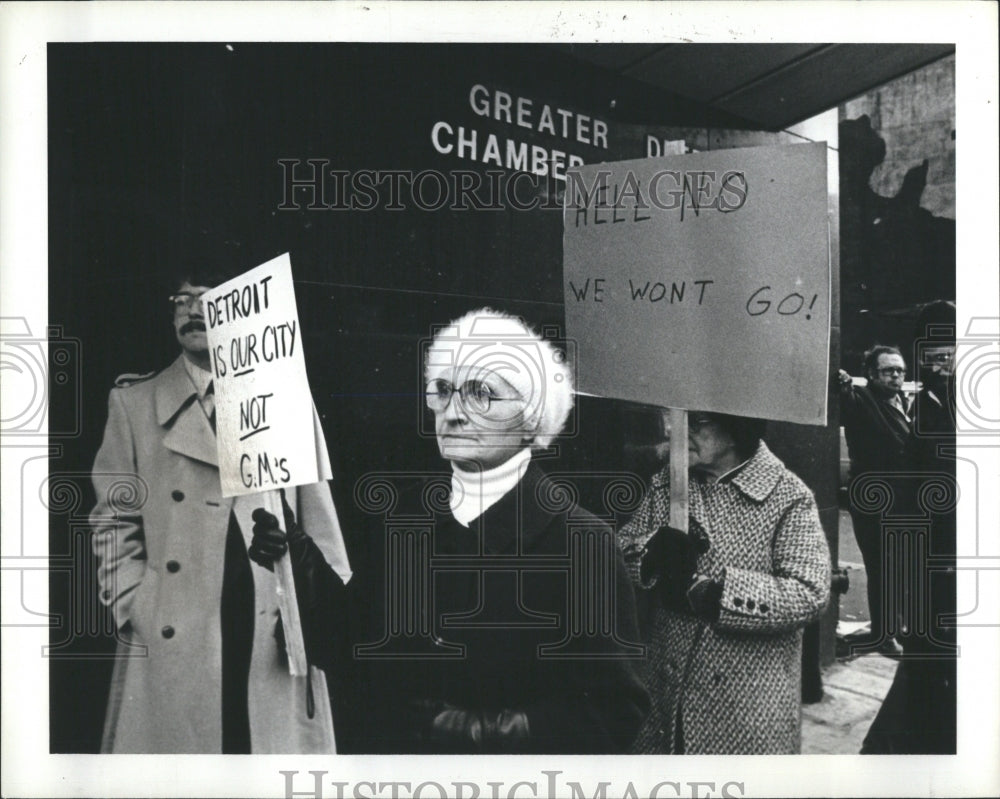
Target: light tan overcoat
159, 530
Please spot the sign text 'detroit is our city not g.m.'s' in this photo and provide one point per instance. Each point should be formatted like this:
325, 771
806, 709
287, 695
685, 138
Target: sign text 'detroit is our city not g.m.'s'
268, 434
702, 281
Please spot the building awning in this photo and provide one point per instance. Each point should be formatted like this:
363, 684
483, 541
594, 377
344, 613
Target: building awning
771, 86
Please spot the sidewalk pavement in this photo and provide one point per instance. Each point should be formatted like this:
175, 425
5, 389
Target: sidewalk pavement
853, 688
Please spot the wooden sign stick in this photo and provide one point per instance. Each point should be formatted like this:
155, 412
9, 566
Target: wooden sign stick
678, 468
288, 602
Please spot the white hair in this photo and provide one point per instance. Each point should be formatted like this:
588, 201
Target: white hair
498, 342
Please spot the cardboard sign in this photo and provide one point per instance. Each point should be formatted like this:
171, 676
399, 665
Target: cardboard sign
267, 431
702, 281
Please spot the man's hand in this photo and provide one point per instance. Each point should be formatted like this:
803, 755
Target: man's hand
269, 541
319, 589
844, 380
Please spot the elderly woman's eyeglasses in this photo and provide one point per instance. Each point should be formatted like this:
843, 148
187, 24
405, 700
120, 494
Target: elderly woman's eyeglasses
699, 422
475, 395
184, 301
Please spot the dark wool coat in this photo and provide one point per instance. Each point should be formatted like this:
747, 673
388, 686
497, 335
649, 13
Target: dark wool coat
733, 686
918, 715
505, 605
159, 532
877, 432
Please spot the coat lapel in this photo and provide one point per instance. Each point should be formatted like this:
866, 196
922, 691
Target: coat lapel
901, 417
895, 418
756, 479
177, 409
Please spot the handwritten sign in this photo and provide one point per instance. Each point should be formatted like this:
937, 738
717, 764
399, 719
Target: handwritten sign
268, 435
702, 281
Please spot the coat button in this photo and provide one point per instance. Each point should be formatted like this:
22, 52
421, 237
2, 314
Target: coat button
177, 495
738, 602
716, 679
173, 566
106, 593
764, 608
167, 632
749, 604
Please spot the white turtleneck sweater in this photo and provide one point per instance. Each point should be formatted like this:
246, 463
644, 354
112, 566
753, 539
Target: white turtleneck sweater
473, 493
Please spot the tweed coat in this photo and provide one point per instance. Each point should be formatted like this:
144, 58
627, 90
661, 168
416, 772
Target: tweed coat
734, 685
159, 533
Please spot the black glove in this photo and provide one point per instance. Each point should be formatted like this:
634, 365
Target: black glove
457, 730
269, 541
671, 555
319, 589
705, 598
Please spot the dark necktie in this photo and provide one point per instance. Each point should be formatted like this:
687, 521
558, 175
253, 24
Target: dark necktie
208, 403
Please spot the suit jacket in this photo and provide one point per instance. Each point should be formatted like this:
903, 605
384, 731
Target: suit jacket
877, 432
733, 686
159, 533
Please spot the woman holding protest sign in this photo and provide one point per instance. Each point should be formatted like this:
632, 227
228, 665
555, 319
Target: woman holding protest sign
733, 594
481, 611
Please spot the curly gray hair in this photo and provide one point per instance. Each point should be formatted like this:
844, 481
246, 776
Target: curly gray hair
488, 340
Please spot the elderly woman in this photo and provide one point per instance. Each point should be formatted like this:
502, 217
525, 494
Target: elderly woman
508, 670
734, 594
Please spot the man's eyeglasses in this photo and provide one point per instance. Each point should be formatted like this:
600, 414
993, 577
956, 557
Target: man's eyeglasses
184, 301
892, 370
475, 395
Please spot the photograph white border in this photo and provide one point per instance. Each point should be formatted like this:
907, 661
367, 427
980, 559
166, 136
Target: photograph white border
25, 29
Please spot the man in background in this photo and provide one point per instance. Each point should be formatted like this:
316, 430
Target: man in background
877, 427
918, 715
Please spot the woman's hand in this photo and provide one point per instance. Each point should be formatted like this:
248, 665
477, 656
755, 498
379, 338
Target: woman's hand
704, 597
671, 556
460, 730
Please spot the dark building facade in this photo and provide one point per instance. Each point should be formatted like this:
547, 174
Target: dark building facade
897, 211
166, 155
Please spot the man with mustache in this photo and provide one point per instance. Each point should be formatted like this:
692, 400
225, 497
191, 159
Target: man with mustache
201, 666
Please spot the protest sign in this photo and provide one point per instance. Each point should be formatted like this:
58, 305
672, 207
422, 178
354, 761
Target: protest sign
267, 432
702, 281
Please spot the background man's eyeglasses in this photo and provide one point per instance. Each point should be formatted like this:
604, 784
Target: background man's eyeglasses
475, 395
892, 370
